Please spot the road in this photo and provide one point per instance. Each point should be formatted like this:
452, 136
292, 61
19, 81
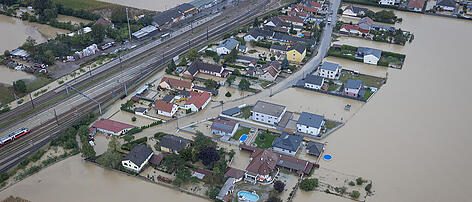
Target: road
106, 89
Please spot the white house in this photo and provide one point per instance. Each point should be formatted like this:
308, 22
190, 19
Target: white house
256, 34
226, 46
353, 88
165, 108
269, 74
387, 2
267, 112
369, 55
330, 70
310, 123
137, 158
447, 5
197, 101
314, 82
224, 126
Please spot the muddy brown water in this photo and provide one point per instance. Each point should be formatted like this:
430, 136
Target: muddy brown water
8, 76
160, 5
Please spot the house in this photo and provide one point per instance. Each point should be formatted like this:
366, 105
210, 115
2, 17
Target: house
383, 28
137, 158
295, 13
294, 20
200, 173
314, 82
314, 148
309, 123
416, 5
365, 24
110, 127
256, 34
156, 160
226, 46
201, 89
269, 74
165, 108
232, 112
281, 37
267, 112
315, 4
287, 144
296, 53
173, 144
276, 64
349, 29
277, 22
168, 98
243, 49
310, 10
330, 70
447, 5
226, 190
387, 2
369, 55
197, 101
140, 110
224, 126
182, 96
261, 166
245, 59
165, 18
206, 68
355, 11
234, 173
352, 87
186, 9
278, 49
175, 84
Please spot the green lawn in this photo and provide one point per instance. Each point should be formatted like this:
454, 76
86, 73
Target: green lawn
371, 81
265, 83
245, 112
5, 95
368, 93
332, 87
83, 4
330, 124
241, 131
265, 141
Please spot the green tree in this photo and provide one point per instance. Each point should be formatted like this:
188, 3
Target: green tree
171, 67
211, 84
231, 57
228, 94
128, 138
173, 162
285, 63
183, 62
274, 199
355, 194
359, 181
182, 177
19, 86
112, 157
279, 186
292, 31
29, 44
213, 193
256, 22
230, 80
201, 141
145, 21
193, 55
87, 151
368, 187
98, 33
308, 184
133, 119
244, 84
236, 72
49, 57
119, 16
6, 53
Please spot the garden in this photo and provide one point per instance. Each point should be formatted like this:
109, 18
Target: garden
265, 139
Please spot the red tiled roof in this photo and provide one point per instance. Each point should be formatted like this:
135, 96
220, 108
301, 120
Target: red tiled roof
111, 125
234, 173
349, 27
291, 18
176, 83
134, 98
198, 99
280, 29
315, 4
163, 106
416, 3
263, 162
310, 9
306, 165
156, 159
247, 147
272, 71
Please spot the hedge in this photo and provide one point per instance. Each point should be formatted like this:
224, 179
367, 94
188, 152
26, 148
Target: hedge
397, 55
340, 55
130, 145
134, 131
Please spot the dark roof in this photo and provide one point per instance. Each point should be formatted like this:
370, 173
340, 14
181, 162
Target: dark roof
279, 47
232, 111
184, 93
168, 98
258, 32
357, 10
278, 22
138, 154
213, 92
298, 47
353, 84
448, 3
263, 162
288, 142
301, 166
166, 17
198, 65
369, 51
314, 148
184, 7
224, 124
330, 66
140, 109
276, 64
246, 58
309, 119
268, 108
174, 142
314, 79
286, 37
156, 159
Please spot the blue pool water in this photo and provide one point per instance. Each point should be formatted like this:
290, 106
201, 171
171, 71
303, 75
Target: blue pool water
327, 157
248, 195
243, 138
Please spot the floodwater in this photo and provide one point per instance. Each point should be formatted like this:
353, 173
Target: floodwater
74, 180
159, 5
8, 76
14, 32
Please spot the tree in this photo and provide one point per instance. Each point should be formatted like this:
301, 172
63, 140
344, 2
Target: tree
308, 184
119, 16
98, 33
145, 21
171, 67
244, 84
19, 86
231, 57
355, 194
173, 162
186, 154
368, 187
359, 181
279, 186
208, 156
88, 151
211, 84
49, 57
193, 55
292, 31
183, 62
236, 72
228, 94
230, 80
201, 142
182, 176
133, 119
128, 138
256, 22
274, 199
213, 193
112, 157
29, 44
6, 53
285, 63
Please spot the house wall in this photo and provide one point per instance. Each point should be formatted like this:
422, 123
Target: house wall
387, 2
447, 8
308, 129
222, 51
133, 167
295, 56
268, 77
284, 151
272, 120
349, 13
329, 74
113, 133
249, 38
351, 92
370, 59
168, 114
312, 86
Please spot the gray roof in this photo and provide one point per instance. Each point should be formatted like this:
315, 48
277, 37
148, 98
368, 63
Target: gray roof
279, 47
353, 84
184, 7
213, 92
246, 58
314, 79
278, 22
314, 148
173, 142
330, 66
232, 111
184, 93
258, 32
389, 28
140, 109
357, 10
138, 154
168, 98
226, 188
241, 47
311, 120
369, 51
285, 37
229, 43
298, 47
268, 108
198, 65
166, 17
288, 142
448, 3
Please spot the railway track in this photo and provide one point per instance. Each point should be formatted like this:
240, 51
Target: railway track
16, 151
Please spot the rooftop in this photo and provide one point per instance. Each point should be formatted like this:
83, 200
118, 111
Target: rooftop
369, 51
288, 142
177, 83
298, 47
269, 108
309, 119
173, 142
229, 43
314, 79
111, 125
314, 148
330, 66
163, 106
353, 84
198, 99
231, 112
138, 154
224, 124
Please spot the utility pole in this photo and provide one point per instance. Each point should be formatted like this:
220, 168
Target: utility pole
55, 115
207, 34
126, 92
129, 29
32, 103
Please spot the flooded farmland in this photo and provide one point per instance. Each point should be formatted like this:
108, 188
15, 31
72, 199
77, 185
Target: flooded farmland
160, 5
8, 76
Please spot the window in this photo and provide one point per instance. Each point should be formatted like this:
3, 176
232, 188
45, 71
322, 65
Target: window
125, 164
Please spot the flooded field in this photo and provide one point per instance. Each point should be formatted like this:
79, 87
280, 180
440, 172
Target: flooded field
14, 32
160, 5
8, 76
73, 20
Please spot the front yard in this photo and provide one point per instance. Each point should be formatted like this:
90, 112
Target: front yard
265, 139
241, 131
368, 80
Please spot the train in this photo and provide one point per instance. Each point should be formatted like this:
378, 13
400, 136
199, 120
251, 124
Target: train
13, 136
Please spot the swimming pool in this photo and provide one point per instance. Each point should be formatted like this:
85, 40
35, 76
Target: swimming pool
245, 195
243, 138
327, 157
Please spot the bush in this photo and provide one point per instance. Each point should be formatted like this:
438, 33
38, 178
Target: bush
228, 94
359, 181
351, 183
279, 186
128, 138
213, 193
355, 194
368, 187
134, 131
130, 145
159, 135
133, 119
308, 184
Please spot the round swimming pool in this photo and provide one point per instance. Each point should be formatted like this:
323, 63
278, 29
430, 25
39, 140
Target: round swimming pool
243, 138
327, 157
245, 195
